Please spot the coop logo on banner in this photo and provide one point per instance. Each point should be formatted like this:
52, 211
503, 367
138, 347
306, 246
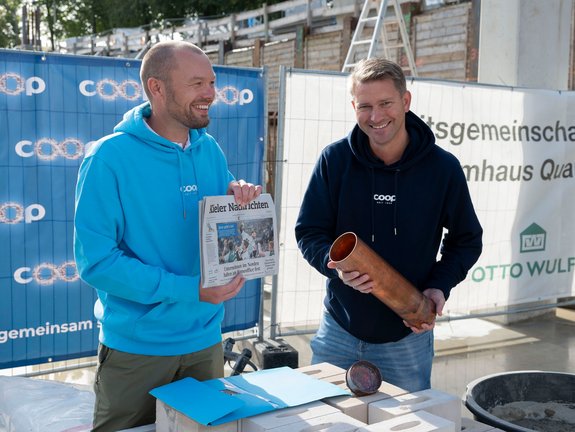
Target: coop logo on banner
531, 239
47, 273
13, 213
49, 149
233, 96
13, 84
110, 90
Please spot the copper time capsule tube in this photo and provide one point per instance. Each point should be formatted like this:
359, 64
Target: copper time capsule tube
350, 253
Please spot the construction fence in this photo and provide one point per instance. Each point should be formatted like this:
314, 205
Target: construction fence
515, 146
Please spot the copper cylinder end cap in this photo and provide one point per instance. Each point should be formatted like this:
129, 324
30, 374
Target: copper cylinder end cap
363, 378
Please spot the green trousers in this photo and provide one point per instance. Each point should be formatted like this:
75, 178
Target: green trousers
123, 381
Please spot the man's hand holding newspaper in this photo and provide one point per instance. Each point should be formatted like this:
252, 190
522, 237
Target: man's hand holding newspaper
237, 239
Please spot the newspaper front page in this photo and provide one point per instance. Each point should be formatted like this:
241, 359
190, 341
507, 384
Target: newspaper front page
237, 239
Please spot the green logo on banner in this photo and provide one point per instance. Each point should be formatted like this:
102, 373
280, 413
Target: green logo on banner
533, 239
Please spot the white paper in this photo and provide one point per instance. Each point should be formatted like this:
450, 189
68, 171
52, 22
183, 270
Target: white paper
237, 239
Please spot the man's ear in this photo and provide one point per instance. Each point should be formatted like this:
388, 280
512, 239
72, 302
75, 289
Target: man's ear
155, 87
407, 100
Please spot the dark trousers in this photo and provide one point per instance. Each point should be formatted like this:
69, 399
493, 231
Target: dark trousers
123, 381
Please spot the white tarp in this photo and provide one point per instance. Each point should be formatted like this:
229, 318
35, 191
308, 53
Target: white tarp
517, 148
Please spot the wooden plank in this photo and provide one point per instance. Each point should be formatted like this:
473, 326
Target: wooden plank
438, 49
460, 23
431, 67
240, 58
440, 32
442, 57
447, 40
472, 42
447, 12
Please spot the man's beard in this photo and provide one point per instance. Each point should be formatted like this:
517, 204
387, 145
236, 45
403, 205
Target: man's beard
184, 115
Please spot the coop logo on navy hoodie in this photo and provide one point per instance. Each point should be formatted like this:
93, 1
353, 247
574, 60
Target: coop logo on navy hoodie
385, 199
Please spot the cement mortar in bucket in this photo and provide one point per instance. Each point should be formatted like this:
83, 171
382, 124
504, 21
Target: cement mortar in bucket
524, 401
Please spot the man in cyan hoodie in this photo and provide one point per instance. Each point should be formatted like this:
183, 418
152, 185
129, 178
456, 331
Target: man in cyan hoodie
137, 238
390, 184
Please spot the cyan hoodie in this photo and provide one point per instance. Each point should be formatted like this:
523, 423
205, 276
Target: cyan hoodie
136, 238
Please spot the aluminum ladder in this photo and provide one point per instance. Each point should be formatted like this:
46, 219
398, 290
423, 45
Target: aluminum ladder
377, 25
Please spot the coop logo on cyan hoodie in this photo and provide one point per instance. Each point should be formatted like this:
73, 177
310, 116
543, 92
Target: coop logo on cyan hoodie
49, 149
189, 189
13, 84
12, 213
47, 273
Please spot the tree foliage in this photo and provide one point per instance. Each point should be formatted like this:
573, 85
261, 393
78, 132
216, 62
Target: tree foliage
68, 18
9, 23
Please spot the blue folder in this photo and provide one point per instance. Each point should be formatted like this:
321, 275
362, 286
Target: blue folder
223, 400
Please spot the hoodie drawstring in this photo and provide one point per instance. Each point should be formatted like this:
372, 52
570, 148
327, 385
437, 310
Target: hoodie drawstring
395, 203
372, 205
182, 188
194, 168
395, 180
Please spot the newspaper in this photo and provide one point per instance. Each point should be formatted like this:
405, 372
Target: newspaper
237, 239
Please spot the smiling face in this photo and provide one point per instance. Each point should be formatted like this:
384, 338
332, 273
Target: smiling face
380, 112
190, 89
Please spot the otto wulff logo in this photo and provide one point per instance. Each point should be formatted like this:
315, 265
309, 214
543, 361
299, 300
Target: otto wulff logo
533, 239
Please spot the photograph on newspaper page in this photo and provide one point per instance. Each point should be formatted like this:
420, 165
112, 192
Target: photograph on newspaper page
237, 239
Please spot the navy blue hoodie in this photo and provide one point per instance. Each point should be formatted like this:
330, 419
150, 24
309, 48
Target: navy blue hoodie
400, 211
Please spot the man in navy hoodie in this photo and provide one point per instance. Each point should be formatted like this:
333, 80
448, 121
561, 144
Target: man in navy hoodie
137, 239
389, 183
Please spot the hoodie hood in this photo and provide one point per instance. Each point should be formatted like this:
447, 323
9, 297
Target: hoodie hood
134, 123
421, 141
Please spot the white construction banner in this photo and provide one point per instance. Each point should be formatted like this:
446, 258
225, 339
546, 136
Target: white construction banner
517, 149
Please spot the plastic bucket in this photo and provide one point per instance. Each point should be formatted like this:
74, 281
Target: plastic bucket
497, 390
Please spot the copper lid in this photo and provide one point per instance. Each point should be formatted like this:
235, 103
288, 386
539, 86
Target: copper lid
363, 378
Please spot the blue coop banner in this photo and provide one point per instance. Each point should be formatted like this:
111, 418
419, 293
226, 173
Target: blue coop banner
51, 108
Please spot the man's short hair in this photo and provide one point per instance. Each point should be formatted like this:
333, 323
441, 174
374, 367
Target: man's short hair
160, 60
375, 69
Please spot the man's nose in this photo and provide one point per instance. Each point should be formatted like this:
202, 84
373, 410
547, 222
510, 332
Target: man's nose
376, 114
209, 92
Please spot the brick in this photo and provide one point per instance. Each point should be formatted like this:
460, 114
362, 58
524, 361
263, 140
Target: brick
170, 420
357, 407
420, 421
285, 417
432, 401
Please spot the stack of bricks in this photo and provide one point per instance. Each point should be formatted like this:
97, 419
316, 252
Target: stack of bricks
389, 409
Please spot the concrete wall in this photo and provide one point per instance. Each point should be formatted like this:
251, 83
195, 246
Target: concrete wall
523, 43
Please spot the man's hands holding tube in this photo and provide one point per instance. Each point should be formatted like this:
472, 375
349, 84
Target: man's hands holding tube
437, 297
363, 284
359, 282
